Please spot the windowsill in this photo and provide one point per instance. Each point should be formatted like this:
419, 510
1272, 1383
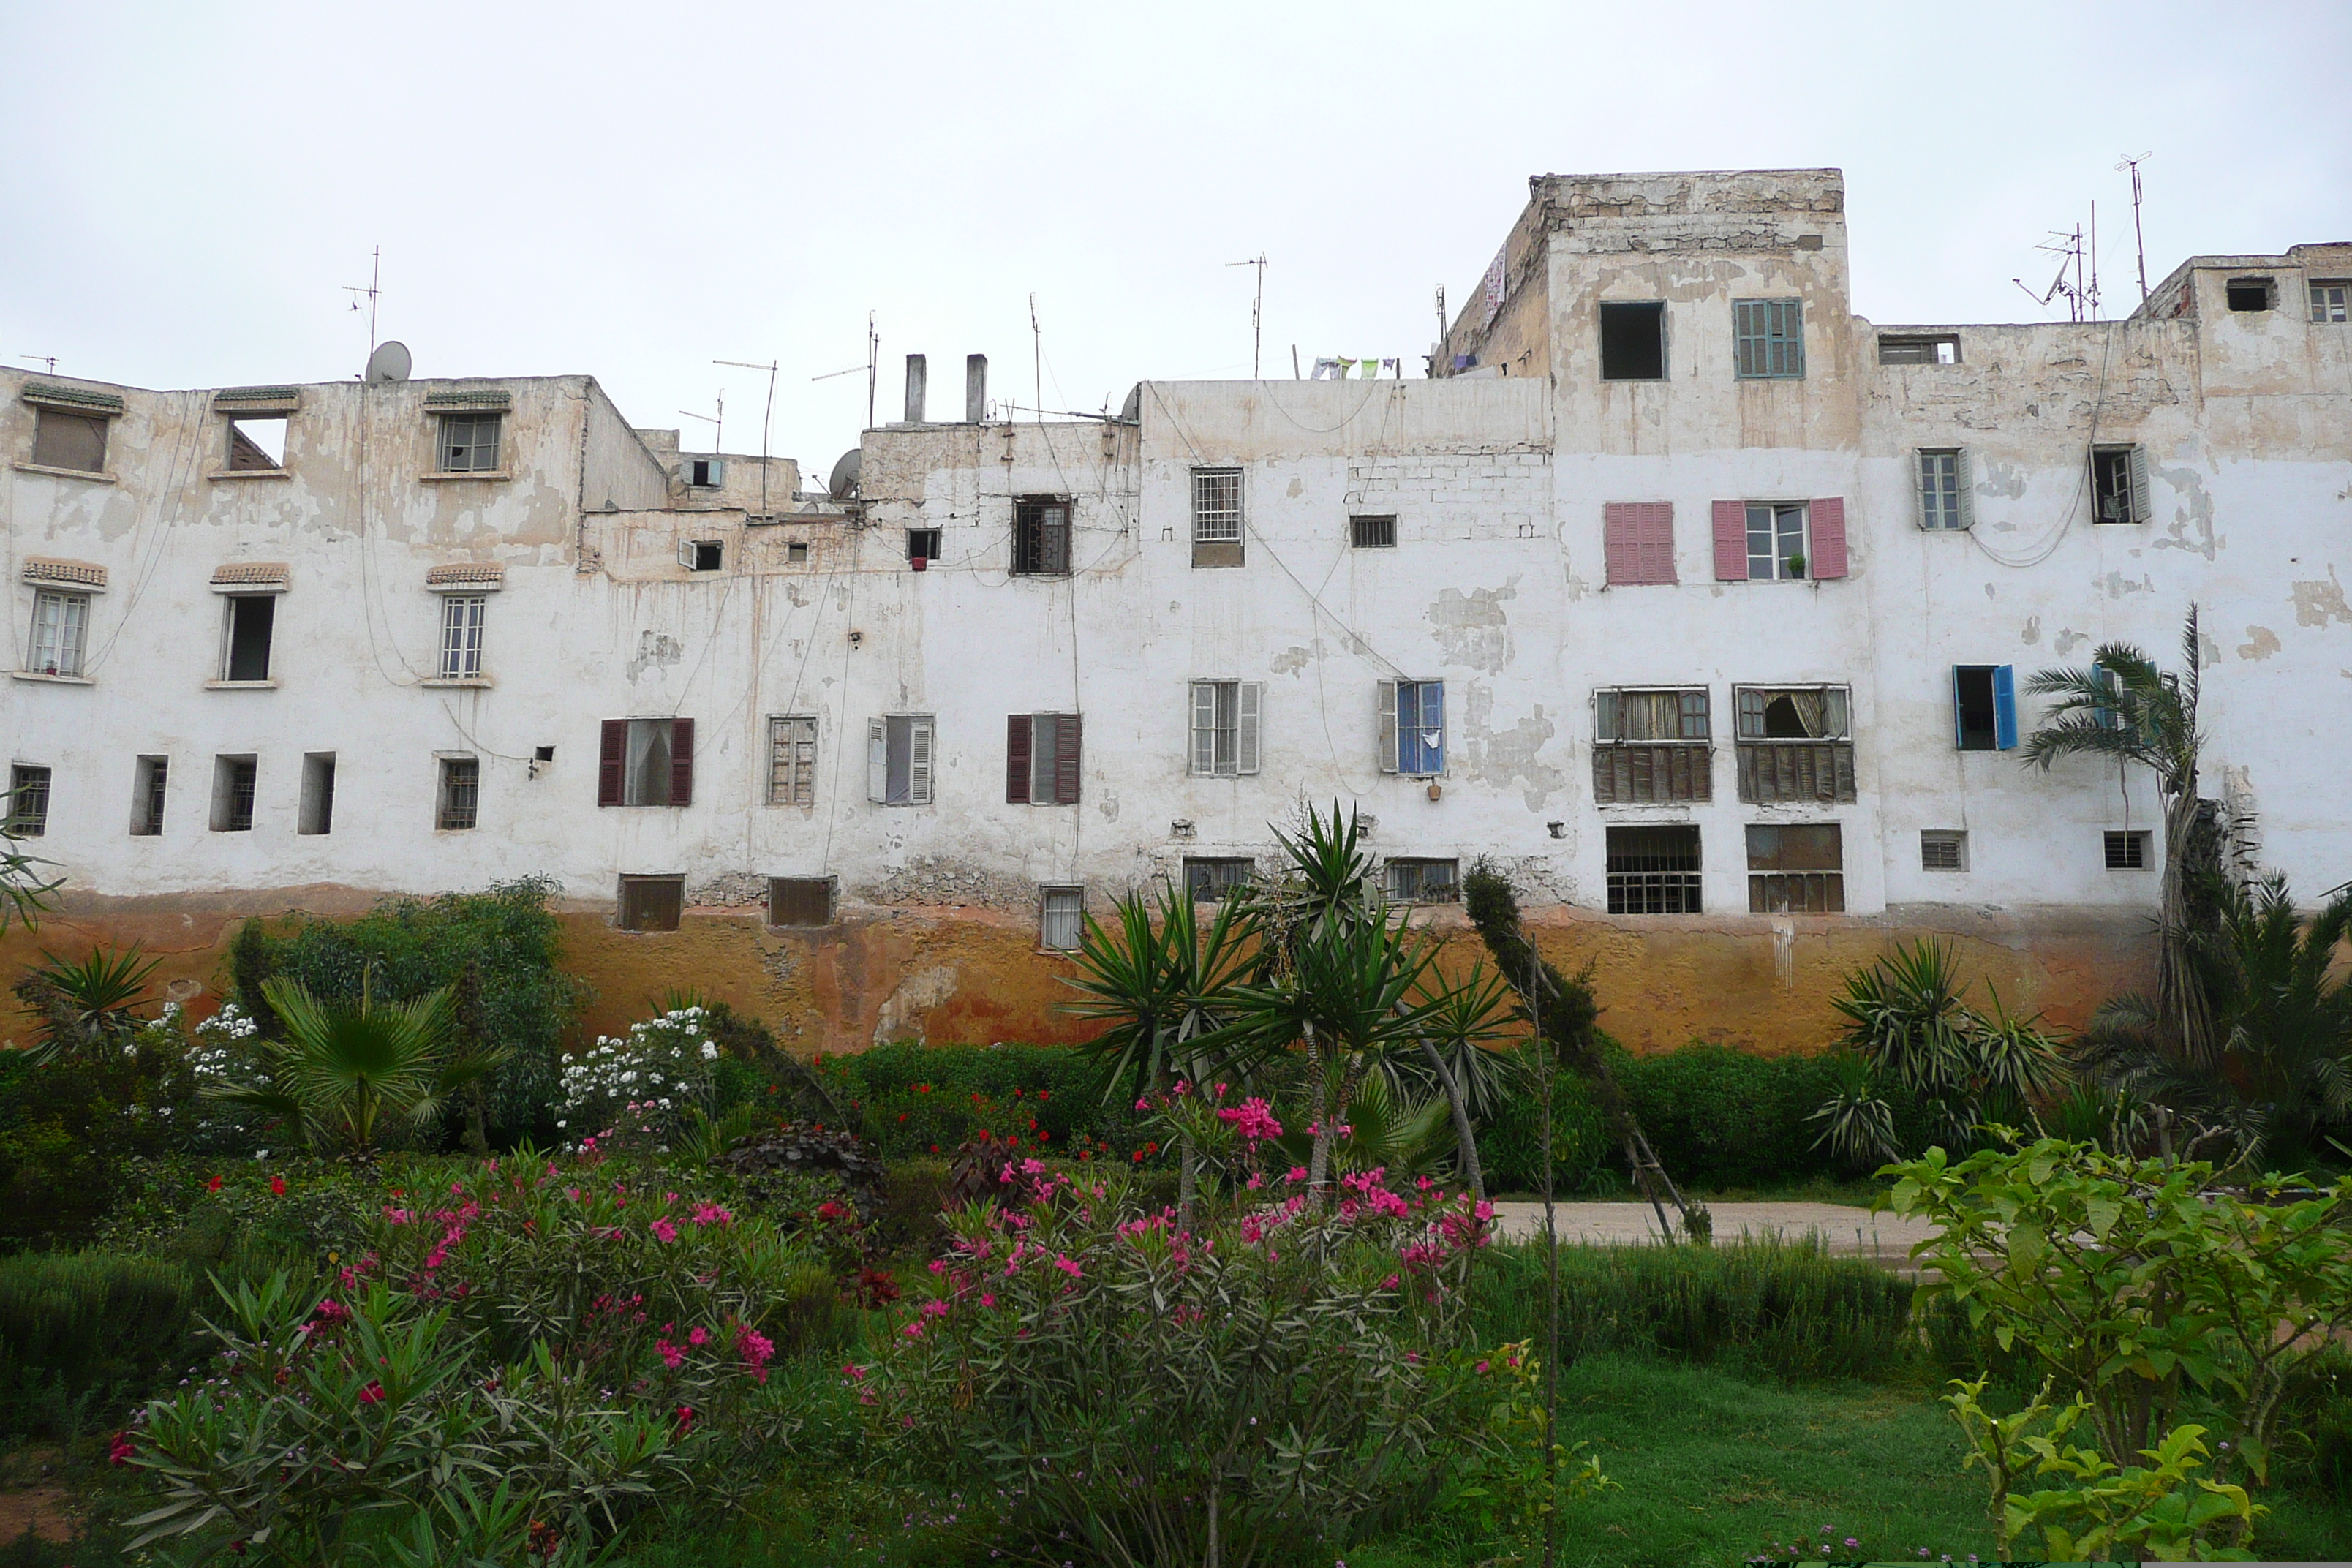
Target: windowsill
437, 478
53, 680
98, 476
247, 590
269, 685
474, 681
251, 474
1017, 573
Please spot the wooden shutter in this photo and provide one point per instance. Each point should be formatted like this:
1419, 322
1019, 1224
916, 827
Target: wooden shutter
878, 761
1731, 541
1384, 739
918, 761
1656, 530
1067, 755
1960, 712
2004, 708
1251, 701
611, 746
1017, 730
1967, 492
1621, 549
1828, 558
1640, 541
1205, 726
2137, 463
681, 761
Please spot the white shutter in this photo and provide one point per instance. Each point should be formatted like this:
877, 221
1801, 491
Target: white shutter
1923, 489
1205, 726
2141, 509
1968, 489
918, 761
686, 553
1384, 739
1253, 698
877, 760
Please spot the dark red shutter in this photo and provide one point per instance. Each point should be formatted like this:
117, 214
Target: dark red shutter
1066, 760
681, 761
1730, 541
612, 747
1016, 758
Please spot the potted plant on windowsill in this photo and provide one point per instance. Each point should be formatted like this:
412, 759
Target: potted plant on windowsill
1796, 565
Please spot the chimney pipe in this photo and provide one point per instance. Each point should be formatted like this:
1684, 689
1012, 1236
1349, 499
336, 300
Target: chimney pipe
915, 379
976, 388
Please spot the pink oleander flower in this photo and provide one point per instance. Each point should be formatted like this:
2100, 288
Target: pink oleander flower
988, 1298
1063, 1262
1389, 1283
913, 1331
1255, 1182
935, 1309
855, 1373
755, 1347
373, 1393
1295, 1173
1253, 1119
665, 1231
672, 1356
711, 1214
698, 1336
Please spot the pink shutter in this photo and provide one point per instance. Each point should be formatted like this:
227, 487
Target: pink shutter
1065, 759
1731, 541
1828, 538
681, 761
1016, 758
612, 745
1656, 529
1620, 547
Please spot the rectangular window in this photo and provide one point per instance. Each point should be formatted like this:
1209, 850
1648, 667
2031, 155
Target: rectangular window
1225, 727
796, 554
702, 554
2250, 294
791, 759
234, 779
1637, 542
2128, 851
1770, 338
1042, 758
1776, 541
1794, 744
1633, 342
1943, 849
1041, 536
1944, 488
244, 653
922, 546
1796, 869
1412, 734
470, 443
1650, 748
651, 903
459, 804
1217, 516
1935, 350
63, 440
1061, 918
28, 801
60, 632
462, 615
646, 762
2331, 300
147, 780
1984, 707
1654, 869
317, 807
2119, 484
257, 445
1421, 881
1209, 879
1371, 533
898, 760
800, 901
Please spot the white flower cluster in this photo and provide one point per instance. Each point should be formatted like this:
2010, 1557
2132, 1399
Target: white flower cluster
661, 1069
231, 1023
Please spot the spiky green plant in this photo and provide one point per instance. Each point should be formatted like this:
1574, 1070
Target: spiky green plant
89, 1005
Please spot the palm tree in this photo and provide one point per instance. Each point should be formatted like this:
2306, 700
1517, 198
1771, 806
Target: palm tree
341, 1071
2124, 706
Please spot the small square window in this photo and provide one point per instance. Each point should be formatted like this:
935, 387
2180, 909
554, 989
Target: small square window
2250, 294
922, 545
1768, 339
796, 554
28, 801
460, 802
2126, 851
1041, 536
1418, 881
1371, 532
1633, 340
701, 554
800, 901
1919, 350
470, 443
2331, 300
1943, 849
63, 440
651, 903
258, 445
1061, 918
233, 781
706, 473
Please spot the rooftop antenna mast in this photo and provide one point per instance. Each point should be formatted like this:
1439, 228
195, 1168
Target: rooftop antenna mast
718, 422
1257, 311
1038, 364
766, 416
49, 360
2082, 292
2138, 237
373, 288
873, 365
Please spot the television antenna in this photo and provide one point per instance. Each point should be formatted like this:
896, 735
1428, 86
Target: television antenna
718, 422
766, 415
1257, 311
873, 363
2081, 292
369, 293
2138, 238
49, 360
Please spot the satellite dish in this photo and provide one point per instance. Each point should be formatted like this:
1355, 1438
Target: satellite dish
389, 362
843, 483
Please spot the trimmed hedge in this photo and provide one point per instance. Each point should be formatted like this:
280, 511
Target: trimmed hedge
78, 1328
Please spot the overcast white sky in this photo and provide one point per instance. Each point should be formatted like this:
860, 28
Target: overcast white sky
633, 191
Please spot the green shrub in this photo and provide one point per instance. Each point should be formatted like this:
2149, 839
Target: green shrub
912, 1101
67, 1128
78, 1328
1722, 1118
1783, 1307
1584, 1162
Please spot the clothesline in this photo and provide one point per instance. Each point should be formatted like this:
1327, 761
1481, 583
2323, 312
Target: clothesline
1364, 369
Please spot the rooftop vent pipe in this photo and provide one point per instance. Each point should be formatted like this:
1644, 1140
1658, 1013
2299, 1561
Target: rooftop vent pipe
914, 380
976, 388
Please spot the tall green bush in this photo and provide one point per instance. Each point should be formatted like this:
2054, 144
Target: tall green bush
78, 1328
913, 1102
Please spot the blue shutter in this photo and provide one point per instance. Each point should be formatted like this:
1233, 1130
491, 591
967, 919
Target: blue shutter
1432, 722
1960, 722
2103, 716
2004, 708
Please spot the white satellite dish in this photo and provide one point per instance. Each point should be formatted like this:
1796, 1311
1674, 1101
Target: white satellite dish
843, 483
389, 362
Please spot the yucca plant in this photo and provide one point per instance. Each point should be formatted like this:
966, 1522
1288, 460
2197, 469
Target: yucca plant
86, 1007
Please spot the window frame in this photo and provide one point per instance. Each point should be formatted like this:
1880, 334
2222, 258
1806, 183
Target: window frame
2232, 288
1655, 309
464, 619
1629, 880
2329, 300
921, 749
1824, 886
27, 807
1774, 510
776, 900
446, 446
1768, 339
1393, 724
315, 808
1217, 524
236, 791
2001, 700
44, 454
151, 776
1047, 892
235, 462
1216, 884
1940, 478
661, 882
1214, 700
918, 558
1908, 344
2132, 458
1933, 841
1416, 869
782, 732
2128, 849
623, 764
1058, 771
1363, 537
72, 630
232, 613
458, 794
1040, 542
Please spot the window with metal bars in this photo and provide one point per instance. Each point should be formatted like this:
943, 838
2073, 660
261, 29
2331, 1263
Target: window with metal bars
1207, 878
459, 805
1041, 536
28, 800
462, 616
1371, 532
1944, 488
235, 780
1061, 918
1216, 506
1424, 881
1225, 727
60, 632
2331, 300
1770, 338
791, 759
147, 796
470, 443
1796, 869
1654, 869
800, 901
2128, 851
1943, 849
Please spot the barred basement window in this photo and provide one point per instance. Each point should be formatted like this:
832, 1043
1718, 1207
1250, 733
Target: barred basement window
462, 616
1943, 849
651, 903
1796, 869
1653, 870
234, 783
1371, 532
147, 796
1418, 881
1041, 536
28, 801
791, 759
1208, 879
2128, 851
800, 901
1061, 918
470, 443
1769, 338
459, 805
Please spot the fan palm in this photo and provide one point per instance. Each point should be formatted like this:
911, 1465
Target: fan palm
340, 1072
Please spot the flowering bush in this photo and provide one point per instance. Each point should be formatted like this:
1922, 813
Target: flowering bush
1262, 1384
643, 1091
219, 1052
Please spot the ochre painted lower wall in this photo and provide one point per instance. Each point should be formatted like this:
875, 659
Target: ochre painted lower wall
975, 977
